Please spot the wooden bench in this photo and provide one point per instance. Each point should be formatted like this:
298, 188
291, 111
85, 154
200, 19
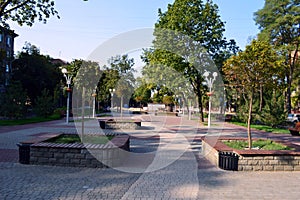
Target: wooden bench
295, 131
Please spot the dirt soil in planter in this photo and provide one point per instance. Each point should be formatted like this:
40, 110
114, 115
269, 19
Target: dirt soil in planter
69, 139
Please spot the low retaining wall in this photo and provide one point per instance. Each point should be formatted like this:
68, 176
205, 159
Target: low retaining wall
253, 160
269, 163
111, 154
167, 113
110, 124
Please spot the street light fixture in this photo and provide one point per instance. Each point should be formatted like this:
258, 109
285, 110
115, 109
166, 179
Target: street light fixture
68, 80
210, 81
112, 95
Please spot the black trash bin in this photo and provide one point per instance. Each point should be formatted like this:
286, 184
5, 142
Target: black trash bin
228, 161
24, 153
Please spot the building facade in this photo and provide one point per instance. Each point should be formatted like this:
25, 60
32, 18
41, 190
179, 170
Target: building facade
6, 56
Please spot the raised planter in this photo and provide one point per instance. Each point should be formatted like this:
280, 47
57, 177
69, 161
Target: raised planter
253, 160
120, 124
166, 113
111, 154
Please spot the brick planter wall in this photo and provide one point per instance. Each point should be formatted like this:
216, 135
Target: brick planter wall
111, 154
253, 160
107, 124
269, 163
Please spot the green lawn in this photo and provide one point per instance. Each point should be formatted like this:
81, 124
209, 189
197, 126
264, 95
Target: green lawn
264, 128
28, 120
260, 144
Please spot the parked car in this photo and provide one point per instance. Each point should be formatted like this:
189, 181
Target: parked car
293, 117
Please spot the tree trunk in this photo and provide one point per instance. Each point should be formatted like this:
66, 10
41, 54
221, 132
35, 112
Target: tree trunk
199, 96
292, 63
249, 120
185, 104
288, 95
260, 98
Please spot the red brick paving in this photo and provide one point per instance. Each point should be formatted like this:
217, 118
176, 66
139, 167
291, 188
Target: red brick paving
5, 129
9, 155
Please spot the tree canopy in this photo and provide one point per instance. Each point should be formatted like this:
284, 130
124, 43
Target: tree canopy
36, 72
256, 67
279, 22
27, 11
188, 37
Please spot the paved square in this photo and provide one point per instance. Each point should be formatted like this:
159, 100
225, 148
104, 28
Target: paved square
188, 177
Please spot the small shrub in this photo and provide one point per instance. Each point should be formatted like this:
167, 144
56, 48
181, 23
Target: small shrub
44, 104
13, 102
60, 111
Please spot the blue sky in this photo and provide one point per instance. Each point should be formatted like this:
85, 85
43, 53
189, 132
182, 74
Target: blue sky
85, 25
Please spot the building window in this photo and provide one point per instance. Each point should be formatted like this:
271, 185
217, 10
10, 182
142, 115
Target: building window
7, 68
8, 54
8, 41
1, 37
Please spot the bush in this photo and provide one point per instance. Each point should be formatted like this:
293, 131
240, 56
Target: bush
13, 102
60, 111
273, 112
44, 104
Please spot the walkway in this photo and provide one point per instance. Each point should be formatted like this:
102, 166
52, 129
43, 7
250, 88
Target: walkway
177, 170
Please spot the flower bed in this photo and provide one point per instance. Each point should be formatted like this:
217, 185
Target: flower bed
253, 160
110, 154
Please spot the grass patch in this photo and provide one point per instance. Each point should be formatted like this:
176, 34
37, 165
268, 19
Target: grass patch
91, 139
264, 128
28, 120
85, 119
104, 115
260, 144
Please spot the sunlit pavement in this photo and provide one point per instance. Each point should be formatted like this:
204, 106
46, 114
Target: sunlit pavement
177, 169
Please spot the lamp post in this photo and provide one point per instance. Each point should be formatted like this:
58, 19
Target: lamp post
210, 81
112, 95
68, 80
94, 102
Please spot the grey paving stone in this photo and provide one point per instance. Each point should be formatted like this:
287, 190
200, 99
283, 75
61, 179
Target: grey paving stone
186, 178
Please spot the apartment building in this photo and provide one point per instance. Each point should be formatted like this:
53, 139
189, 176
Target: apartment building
6, 55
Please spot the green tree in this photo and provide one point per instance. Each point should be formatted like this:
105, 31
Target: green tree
256, 67
83, 84
279, 22
27, 11
122, 79
165, 79
13, 101
142, 94
44, 104
74, 67
169, 102
188, 35
35, 72
158, 74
